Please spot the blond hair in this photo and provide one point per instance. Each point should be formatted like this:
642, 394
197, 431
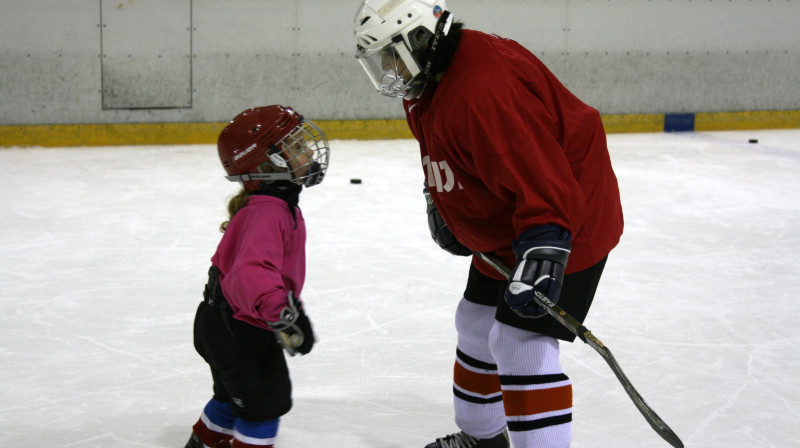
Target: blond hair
235, 203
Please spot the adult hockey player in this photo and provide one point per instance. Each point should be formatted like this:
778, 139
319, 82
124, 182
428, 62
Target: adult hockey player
516, 166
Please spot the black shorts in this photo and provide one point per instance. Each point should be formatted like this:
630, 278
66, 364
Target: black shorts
247, 364
577, 294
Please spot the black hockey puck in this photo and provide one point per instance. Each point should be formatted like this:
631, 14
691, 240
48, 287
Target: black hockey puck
753, 140
355, 181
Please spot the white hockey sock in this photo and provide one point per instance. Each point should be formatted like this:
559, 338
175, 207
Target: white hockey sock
476, 388
537, 395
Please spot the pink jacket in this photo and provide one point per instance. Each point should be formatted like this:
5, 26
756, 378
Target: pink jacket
261, 258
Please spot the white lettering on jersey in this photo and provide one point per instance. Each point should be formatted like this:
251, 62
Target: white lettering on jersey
439, 175
450, 179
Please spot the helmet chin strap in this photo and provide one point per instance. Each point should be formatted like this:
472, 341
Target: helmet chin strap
246, 177
421, 81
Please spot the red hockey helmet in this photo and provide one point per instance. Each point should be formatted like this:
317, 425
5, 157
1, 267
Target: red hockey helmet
271, 143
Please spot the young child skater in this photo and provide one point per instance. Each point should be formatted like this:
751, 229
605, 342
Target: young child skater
251, 310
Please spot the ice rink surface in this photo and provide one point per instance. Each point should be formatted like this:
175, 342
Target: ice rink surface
105, 253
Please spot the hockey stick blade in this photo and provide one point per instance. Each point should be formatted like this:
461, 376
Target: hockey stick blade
571, 324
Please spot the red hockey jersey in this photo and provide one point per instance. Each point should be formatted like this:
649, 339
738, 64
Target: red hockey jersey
506, 147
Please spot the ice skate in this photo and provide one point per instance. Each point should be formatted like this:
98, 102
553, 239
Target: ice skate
463, 440
195, 442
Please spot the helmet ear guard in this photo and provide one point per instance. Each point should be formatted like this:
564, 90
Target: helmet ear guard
418, 38
418, 83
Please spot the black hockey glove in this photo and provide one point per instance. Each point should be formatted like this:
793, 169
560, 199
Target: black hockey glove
293, 330
542, 255
439, 230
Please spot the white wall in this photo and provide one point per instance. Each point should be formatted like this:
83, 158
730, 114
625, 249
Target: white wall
110, 61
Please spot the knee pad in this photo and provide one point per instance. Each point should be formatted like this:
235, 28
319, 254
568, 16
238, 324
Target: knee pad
523, 352
473, 323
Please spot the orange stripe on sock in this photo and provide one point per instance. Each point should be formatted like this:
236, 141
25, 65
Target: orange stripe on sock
530, 402
479, 383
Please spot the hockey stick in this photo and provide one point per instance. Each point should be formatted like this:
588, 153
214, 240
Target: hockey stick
586, 336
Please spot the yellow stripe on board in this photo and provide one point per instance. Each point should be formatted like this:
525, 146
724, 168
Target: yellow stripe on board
206, 133
618, 124
177, 133
742, 121
365, 129
110, 134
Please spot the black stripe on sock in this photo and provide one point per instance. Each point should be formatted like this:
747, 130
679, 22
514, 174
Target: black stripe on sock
514, 380
540, 423
476, 400
472, 362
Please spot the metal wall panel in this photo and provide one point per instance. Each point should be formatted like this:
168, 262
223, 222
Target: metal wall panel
329, 81
146, 54
657, 56
244, 55
219, 57
49, 61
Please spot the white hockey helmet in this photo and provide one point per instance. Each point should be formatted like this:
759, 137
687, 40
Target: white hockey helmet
390, 37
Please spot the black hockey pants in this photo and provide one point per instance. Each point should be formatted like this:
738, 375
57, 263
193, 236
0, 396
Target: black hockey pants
577, 294
247, 363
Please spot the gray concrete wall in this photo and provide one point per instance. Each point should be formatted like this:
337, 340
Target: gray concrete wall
119, 61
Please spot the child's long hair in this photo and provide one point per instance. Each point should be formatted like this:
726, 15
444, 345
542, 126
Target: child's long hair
235, 204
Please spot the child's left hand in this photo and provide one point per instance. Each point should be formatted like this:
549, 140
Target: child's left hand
293, 330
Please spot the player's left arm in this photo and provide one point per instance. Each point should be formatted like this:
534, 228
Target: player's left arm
440, 232
522, 159
542, 255
293, 329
